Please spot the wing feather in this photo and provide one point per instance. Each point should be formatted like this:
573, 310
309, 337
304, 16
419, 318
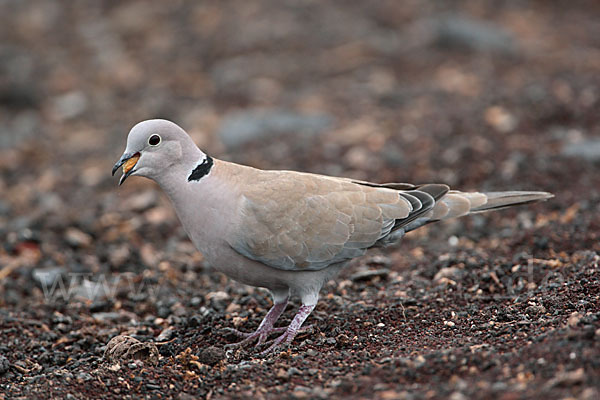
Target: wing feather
297, 221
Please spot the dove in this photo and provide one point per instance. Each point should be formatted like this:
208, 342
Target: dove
289, 232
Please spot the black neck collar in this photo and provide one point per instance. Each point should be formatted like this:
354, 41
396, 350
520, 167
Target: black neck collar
201, 169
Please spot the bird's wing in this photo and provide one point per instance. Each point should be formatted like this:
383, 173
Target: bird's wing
297, 221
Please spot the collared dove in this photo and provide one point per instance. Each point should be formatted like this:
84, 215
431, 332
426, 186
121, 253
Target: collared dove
289, 232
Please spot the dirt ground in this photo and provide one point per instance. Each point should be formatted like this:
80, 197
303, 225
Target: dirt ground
486, 95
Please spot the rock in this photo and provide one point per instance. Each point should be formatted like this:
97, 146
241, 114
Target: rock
47, 278
453, 273
115, 316
457, 396
126, 348
166, 334
535, 309
500, 119
218, 300
83, 377
69, 105
588, 150
242, 127
77, 238
93, 291
19, 129
465, 32
211, 355
566, 379
574, 319
370, 274
4, 365
119, 255
142, 201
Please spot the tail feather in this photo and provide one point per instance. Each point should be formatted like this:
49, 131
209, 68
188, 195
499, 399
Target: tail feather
456, 204
500, 200
452, 204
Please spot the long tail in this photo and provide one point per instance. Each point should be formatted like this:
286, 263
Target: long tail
435, 202
500, 200
454, 204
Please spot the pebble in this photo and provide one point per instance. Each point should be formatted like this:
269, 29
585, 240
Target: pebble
466, 32
69, 105
370, 274
240, 128
588, 150
166, 334
211, 355
48, 277
77, 238
4, 365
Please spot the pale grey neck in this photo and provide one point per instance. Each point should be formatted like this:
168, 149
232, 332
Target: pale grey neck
174, 182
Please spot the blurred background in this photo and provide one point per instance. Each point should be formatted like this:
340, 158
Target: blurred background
481, 95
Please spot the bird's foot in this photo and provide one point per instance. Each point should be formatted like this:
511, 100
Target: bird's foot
291, 331
260, 335
264, 330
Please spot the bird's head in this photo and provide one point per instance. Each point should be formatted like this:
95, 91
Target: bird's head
154, 147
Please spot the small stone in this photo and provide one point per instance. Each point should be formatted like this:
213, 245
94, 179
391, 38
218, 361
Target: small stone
77, 238
91, 290
453, 273
48, 277
588, 150
465, 32
218, 296
4, 365
211, 355
166, 334
115, 367
574, 319
142, 201
500, 119
370, 274
69, 105
457, 396
239, 128
566, 379
535, 309
84, 376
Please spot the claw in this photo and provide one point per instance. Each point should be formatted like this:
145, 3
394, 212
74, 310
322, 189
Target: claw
266, 328
292, 330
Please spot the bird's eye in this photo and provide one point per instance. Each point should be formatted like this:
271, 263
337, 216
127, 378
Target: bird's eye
154, 140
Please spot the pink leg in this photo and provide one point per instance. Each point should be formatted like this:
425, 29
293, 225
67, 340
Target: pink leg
293, 329
265, 328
